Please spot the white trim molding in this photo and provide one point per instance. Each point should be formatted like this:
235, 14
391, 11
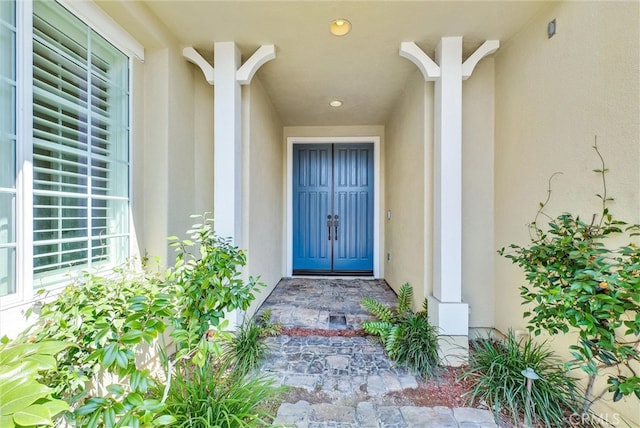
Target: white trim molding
375, 140
104, 25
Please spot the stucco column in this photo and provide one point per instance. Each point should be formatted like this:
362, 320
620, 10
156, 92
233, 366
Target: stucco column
227, 74
447, 312
227, 136
446, 309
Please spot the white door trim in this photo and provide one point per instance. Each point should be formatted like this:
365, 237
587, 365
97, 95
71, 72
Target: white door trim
376, 194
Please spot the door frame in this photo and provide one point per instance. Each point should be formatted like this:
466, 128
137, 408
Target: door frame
375, 140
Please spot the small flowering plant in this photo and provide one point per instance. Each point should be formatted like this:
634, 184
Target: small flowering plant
578, 282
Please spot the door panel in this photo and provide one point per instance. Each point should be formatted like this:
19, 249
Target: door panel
312, 172
333, 208
353, 203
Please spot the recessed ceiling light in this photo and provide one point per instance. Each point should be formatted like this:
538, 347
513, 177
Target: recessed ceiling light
340, 27
335, 103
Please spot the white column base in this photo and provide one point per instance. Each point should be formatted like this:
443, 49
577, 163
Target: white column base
450, 319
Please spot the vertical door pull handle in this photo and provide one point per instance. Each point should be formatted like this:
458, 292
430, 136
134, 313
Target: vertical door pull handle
329, 224
335, 222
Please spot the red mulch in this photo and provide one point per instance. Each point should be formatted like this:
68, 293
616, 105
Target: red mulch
304, 332
445, 389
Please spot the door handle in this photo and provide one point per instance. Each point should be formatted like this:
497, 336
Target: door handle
329, 224
336, 222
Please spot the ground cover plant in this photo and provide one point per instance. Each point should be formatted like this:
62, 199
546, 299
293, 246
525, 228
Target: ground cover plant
495, 369
584, 276
246, 346
407, 336
204, 397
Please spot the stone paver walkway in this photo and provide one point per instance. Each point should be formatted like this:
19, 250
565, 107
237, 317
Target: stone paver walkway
314, 303
344, 381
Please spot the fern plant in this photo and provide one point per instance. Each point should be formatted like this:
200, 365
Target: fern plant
408, 337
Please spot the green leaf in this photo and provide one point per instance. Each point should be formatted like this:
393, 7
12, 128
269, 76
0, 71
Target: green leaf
14, 398
131, 337
135, 399
109, 354
91, 406
109, 417
115, 389
34, 415
164, 420
6, 421
56, 406
18, 373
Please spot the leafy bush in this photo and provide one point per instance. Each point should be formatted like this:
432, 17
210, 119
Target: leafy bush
207, 282
495, 367
107, 318
576, 281
217, 395
407, 336
24, 400
246, 347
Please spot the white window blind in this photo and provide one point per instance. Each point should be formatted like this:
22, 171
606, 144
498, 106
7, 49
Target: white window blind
7, 147
80, 147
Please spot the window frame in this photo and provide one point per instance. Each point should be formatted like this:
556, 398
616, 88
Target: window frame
97, 20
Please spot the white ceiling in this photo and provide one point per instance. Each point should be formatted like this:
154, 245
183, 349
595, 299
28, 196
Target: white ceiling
312, 67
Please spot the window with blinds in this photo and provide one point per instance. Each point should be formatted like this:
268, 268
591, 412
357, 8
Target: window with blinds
80, 147
7, 147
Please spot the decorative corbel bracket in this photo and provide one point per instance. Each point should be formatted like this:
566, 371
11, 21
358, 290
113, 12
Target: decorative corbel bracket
487, 48
246, 71
430, 70
207, 69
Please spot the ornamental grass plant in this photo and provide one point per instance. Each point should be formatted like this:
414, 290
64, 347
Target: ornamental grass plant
246, 348
218, 395
495, 368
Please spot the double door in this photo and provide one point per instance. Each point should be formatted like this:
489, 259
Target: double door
333, 209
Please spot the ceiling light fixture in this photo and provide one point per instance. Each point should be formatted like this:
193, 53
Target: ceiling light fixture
336, 103
340, 27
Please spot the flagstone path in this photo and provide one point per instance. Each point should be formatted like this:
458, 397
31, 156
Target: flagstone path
344, 381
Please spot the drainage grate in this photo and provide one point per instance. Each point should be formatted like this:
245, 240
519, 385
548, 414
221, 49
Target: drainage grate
337, 321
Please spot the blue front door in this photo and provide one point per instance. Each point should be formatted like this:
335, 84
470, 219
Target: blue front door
333, 209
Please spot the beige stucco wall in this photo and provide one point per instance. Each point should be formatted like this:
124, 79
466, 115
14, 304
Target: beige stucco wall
407, 132
552, 97
168, 144
264, 195
478, 247
172, 135
203, 143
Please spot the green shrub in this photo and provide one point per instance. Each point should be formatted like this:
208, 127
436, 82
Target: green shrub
218, 396
495, 367
107, 318
408, 337
246, 347
577, 280
207, 282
